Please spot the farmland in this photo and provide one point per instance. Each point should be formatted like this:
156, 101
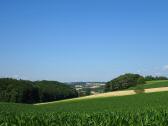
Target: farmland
83, 63
152, 84
149, 87
139, 109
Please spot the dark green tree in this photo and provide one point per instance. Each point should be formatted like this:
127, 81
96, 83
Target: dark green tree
123, 82
141, 80
22, 91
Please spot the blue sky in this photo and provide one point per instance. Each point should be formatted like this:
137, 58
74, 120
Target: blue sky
83, 40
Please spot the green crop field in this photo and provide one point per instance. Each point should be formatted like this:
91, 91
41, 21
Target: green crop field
152, 84
136, 110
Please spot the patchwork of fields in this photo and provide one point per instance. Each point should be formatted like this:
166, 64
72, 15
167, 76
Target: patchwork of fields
134, 110
150, 87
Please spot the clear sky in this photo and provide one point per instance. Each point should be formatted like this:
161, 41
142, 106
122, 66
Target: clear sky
83, 40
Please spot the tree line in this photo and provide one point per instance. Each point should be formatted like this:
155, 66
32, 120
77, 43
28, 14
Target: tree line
151, 78
24, 91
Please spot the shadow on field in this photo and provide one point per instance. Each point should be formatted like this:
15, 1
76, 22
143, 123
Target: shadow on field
139, 90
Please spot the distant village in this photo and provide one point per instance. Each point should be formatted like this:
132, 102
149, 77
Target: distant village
89, 88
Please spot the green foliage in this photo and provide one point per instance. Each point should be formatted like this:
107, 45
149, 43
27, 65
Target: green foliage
141, 80
88, 91
53, 90
124, 82
21, 91
145, 118
151, 78
137, 110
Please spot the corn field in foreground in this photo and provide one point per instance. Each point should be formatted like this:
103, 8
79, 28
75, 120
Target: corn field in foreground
147, 118
138, 110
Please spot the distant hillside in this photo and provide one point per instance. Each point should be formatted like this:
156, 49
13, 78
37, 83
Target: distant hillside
130, 80
23, 91
124, 82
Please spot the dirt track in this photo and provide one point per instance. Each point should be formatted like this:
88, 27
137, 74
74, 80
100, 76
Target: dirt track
112, 94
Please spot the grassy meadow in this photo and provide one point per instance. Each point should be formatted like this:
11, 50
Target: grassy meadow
152, 84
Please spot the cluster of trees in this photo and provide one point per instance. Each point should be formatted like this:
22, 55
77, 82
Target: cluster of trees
124, 81
22, 91
151, 78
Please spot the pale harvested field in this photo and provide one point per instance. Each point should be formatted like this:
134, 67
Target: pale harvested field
111, 94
